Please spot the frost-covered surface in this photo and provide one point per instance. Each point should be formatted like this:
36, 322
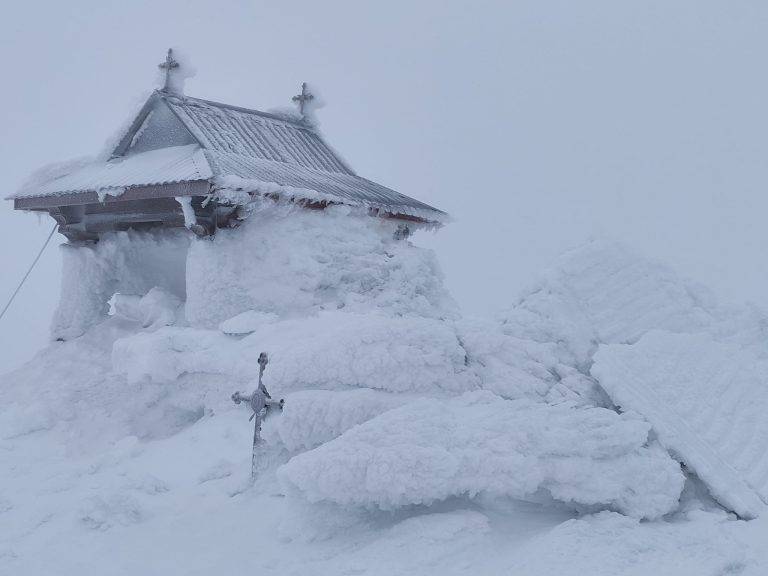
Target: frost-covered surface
330, 350
286, 260
479, 443
603, 292
314, 417
156, 308
241, 152
48, 173
154, 167
247, 322
129, 263
186, 209
707, 401
178, 75
491, 443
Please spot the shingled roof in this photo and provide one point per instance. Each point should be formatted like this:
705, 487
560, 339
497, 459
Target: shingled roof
179, 139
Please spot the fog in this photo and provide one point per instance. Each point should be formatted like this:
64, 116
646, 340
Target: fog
534, 124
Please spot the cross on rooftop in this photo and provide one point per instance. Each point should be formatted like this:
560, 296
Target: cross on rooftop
168, 65
302, 98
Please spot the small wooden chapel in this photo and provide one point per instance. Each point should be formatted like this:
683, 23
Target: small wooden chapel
183, 160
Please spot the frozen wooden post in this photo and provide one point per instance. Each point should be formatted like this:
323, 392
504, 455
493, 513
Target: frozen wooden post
303, 98
261, 403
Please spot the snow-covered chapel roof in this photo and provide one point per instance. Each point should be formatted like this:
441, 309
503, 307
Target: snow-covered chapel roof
178, 139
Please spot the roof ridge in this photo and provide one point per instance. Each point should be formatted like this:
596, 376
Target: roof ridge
281, 118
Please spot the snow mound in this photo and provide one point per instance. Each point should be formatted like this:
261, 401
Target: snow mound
156, 308
517, 368
247, 322
431, 450
707, 401
332, 350
610, 544
313, 417
422, 544
603, 292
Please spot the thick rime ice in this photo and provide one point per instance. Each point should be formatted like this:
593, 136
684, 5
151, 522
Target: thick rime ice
247, 322
50, 172
518, 368
330, 350
287, 260
707, 401
124, 262
178, 75
155, 309
313, 417
392, 401
602, 292
187, 209
479, 443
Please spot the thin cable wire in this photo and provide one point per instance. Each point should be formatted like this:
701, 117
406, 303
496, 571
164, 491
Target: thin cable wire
10, 300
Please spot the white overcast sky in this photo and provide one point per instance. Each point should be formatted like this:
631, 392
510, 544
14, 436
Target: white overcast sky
536, 124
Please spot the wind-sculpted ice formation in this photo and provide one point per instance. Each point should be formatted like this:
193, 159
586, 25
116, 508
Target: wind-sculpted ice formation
430, 450
603, 292
313, 417
288, 261
328, 351
131, 263
707, 402
393, 401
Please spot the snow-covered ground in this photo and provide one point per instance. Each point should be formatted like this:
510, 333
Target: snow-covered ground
413, 440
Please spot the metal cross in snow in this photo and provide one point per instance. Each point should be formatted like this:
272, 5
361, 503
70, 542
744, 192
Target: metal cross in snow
262, 404
168, 65
303, 98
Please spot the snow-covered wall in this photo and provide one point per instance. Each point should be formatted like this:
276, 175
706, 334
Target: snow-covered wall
126, 262
283, 260
292, 261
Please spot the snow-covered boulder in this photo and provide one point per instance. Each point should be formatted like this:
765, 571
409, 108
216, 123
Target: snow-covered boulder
431, 450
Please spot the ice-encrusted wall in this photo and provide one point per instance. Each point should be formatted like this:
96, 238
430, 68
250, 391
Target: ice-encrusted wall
125, 262
292, 261
283, 260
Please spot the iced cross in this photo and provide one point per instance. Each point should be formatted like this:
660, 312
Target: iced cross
302, 98
168, 65
261, 404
